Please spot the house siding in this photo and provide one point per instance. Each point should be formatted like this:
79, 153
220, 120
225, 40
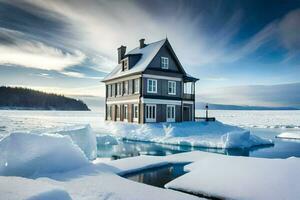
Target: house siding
162, 89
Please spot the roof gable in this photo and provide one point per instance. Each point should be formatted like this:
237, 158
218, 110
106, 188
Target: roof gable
147, 53
166, 51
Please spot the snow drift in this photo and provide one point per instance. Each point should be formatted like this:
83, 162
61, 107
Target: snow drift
26, 154
201, 134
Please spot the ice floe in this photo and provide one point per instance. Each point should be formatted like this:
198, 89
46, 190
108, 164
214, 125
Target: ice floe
83, 136
26, 154
232, 177
289, 135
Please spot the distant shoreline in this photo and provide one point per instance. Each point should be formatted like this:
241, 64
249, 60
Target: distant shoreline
35, 109
17, 98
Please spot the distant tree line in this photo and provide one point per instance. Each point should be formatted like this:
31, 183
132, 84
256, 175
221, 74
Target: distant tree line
23, 98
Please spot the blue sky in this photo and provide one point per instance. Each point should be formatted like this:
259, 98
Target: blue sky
232, 46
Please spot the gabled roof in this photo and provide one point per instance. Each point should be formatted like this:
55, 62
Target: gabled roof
147, 54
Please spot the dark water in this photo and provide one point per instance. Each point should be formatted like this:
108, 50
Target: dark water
281, 148
158, 176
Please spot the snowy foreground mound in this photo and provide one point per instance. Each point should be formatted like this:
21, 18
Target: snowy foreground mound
201, 134
289, 135
25, 154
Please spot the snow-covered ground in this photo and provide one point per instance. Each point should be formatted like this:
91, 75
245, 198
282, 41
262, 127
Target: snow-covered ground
257, 118
48, 157
60, 170
200, 134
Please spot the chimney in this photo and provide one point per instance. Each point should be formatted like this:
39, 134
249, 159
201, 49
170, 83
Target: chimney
142, 43
121, 53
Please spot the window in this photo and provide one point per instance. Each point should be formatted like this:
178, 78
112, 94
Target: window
125, 87
135, 112
118, 112
108, 112
170, 113
119, 89
136, 86
152, 86
172, 87
150, 113
125, 112
125, 64
164, 62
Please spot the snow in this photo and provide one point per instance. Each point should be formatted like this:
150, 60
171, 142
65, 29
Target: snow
26, 154
147, 54
229, 177
284, 119
106, 140
252, 178
12, 188
201, 134
83, 136
289, 135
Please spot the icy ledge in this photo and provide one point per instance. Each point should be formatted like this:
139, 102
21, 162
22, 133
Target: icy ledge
201, 134
289, 135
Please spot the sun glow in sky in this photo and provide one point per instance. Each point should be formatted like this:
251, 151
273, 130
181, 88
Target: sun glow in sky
244, 52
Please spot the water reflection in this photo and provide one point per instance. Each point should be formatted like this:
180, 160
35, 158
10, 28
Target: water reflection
127, 148
158, 176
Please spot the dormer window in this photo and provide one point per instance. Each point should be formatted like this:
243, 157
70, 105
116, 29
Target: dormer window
125, 64
164, 62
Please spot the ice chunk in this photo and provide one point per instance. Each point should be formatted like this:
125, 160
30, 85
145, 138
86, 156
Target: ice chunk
289, 135
83, 136
26, 154
106, 140
250, 178
202, 134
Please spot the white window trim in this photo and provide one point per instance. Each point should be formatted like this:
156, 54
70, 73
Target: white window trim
153, 91
172, 82
164, 65
135, 119
162, 77
171, 119
146, 112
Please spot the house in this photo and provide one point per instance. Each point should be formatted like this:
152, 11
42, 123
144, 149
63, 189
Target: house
149, 85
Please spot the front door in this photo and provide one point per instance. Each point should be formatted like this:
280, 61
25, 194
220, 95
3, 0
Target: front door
186, 113
170, 113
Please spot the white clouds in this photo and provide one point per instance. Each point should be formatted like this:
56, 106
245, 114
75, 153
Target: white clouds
104, 25
20, 50
289, 29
